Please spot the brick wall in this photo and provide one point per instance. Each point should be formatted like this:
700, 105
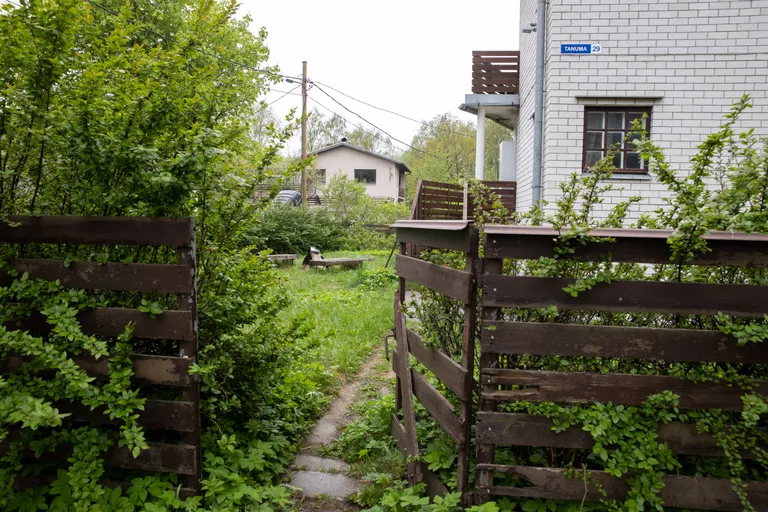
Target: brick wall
524, 132
689, 60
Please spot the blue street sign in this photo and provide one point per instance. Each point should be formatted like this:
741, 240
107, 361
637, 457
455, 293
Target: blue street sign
580, 49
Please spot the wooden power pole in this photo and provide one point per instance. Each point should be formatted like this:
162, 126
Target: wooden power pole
304, 133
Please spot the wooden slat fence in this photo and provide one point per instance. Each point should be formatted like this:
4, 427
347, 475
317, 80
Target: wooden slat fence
456, 376
495, 72
181, 415
448, 201
503, 340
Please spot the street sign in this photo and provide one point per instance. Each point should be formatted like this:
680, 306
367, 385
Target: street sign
581, 49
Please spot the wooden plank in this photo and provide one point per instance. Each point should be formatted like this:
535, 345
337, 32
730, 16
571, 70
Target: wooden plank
134, 231
495, 53
628, 296
438, 407
398, 432
283, 257
88, 275
576, 387
111, 322
440, 184
437, 238
159, 457
679, 491
618, 342
447, 281
30, 481
511, 429
509, 81
400, 361
446, 369
631, 245
336, 262
157, 415
495, 60
148, 369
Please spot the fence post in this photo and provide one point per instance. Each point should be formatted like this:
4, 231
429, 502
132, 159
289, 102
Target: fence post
188, 302
468, 362
486, 453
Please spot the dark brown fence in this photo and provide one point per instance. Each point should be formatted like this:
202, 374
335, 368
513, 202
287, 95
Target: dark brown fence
180, 415
457, 377
502, 340
447, 201
495, 72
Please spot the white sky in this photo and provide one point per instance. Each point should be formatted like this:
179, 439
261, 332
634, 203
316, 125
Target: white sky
410, 56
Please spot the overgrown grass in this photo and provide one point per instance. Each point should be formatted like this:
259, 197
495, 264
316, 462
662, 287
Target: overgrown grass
350, 319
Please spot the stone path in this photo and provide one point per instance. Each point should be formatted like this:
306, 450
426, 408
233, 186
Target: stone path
322, 480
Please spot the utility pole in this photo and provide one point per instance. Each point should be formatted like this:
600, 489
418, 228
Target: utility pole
304, 133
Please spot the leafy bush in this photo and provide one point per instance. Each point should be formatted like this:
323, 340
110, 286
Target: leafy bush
378, 277
287, 229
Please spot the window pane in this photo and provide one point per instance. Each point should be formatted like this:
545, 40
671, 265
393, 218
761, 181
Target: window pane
367, 176
593, 157
617, 161
615, 138
635, 115
596, 120
634, 161
615, 120
595, 140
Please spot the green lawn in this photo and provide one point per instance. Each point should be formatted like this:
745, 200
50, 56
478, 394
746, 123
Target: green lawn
351, 318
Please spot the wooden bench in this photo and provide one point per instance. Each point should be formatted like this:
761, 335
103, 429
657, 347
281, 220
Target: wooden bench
283, 260
337, 262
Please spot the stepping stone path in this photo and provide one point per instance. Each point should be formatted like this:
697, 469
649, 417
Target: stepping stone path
325, 478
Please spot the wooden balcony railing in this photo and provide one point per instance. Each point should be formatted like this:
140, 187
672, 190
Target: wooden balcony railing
495, 72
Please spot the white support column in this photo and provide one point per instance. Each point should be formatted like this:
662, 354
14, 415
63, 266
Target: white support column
480, 144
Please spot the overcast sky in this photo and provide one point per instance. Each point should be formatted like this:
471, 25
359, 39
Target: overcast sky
409, 56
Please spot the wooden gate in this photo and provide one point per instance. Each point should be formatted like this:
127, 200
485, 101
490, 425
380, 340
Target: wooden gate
178, 410
508, 339
458, 285
502, 340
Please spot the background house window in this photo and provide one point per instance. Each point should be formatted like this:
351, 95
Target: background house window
606, 128
367, 176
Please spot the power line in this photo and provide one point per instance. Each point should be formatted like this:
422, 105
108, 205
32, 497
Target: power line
350, 122
286, 93
372, 106
381, 130
173, 39
422, 123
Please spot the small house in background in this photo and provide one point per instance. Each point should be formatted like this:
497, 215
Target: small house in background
384, 177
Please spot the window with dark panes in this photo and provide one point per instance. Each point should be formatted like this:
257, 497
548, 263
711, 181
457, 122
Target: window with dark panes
367, 176
610, 128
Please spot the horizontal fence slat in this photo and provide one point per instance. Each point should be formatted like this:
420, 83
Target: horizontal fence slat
29, 482
159, 457
398, 432
513, 429
157, 370
578, 387
134, 231
157, 415
111, 322
570, 340
437, 406
86, 275
678, 491
628, 296
630, 245
446, 369
454, 283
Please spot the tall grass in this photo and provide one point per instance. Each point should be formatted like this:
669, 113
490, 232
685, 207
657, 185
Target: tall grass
350, 319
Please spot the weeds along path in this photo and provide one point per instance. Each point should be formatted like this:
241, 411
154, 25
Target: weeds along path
324, 480
349, 312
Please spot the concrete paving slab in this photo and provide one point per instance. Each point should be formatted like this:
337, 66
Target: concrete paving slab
313, 483
312, 463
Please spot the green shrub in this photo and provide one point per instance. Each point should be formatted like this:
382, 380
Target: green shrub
287, 229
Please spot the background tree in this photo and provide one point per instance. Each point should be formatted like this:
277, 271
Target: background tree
324, 131
445, 151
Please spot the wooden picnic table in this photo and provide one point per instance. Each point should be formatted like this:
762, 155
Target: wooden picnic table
283, 260
337, 262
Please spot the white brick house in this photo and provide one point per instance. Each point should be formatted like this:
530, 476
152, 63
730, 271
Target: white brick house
684, 63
